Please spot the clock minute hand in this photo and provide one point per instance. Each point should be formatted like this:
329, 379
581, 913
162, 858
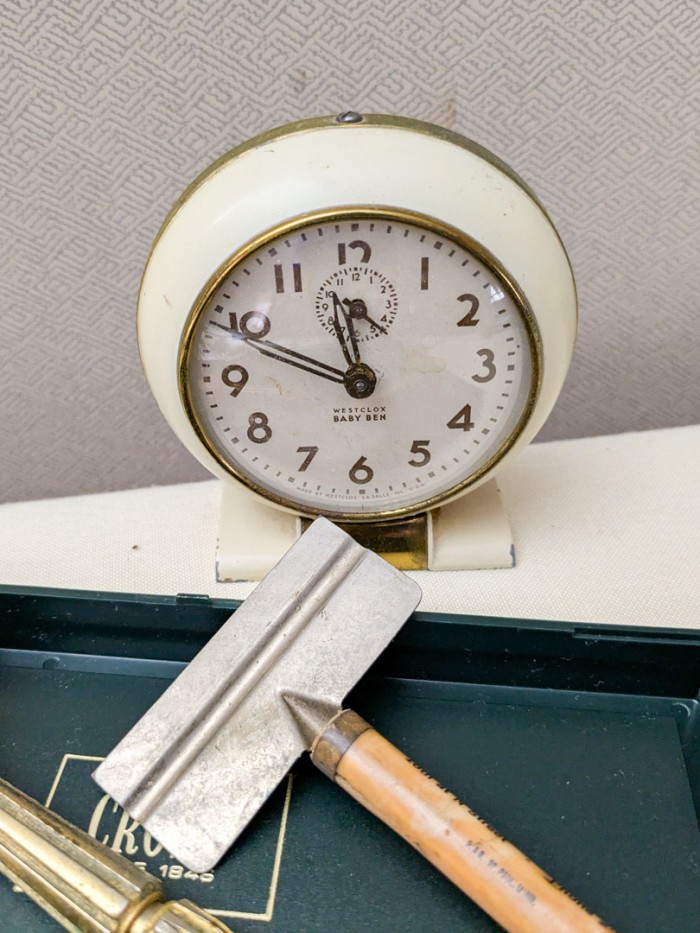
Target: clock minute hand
285, 355
309, 365
359, 380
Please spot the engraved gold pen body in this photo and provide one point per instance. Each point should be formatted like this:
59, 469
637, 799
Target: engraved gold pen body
83, 885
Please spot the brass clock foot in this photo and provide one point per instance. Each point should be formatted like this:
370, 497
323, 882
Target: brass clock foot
471, 533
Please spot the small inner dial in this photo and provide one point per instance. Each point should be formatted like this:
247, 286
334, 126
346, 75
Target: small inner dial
359, 364
369, 289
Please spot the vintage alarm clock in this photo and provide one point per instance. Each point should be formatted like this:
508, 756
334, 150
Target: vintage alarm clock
362, 317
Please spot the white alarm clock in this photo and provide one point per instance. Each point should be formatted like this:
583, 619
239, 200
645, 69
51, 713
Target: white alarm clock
362, 317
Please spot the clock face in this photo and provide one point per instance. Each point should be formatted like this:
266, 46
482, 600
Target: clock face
359, 364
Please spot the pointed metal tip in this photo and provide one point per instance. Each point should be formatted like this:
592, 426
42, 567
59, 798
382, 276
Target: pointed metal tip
311, 715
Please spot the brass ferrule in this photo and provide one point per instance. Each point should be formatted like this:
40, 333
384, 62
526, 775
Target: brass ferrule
334, 742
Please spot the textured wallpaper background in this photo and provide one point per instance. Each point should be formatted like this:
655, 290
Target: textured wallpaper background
107, 111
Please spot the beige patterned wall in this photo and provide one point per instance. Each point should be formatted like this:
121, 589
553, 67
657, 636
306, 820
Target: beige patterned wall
109, 109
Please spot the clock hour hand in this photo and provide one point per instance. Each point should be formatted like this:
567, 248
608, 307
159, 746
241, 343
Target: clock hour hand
360, 379
338, 311
350, 324
285, 355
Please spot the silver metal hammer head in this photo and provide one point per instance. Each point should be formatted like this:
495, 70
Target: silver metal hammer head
207, 755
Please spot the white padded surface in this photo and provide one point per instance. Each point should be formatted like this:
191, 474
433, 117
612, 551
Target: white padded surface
606, 529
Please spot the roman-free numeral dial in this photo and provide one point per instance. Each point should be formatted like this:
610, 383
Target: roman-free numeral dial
360, 364
363, 318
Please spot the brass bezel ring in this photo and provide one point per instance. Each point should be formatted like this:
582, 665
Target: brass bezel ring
345, 213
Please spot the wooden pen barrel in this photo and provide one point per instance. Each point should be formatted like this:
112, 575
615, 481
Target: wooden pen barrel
496, 875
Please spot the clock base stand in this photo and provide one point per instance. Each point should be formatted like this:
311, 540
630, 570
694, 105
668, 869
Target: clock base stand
472, 533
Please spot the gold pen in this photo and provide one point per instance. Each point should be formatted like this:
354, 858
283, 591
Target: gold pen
81, 883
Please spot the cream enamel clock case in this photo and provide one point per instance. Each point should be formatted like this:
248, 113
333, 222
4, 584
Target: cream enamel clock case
362, 317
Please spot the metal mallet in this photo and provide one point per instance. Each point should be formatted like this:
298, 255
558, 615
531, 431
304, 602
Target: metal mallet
268, 687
